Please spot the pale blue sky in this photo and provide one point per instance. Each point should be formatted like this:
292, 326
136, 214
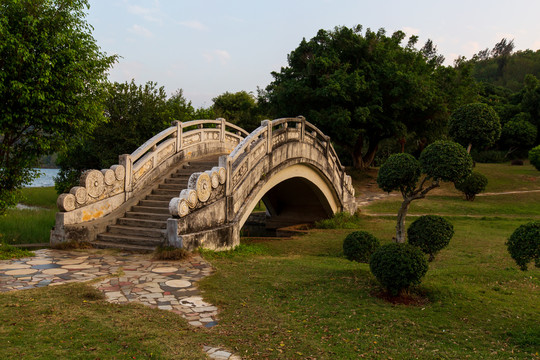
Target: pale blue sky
208, 47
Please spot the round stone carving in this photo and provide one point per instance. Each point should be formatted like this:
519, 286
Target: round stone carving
80, 194
178, 207
204, 187
214, 178
66, 202
190, 196
119, 171
108, 176
222, 174
93, 182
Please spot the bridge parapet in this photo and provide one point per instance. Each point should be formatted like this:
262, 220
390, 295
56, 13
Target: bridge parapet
274, 145
103, 191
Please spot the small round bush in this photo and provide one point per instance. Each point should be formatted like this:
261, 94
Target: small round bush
430, 233
398, 266
446, 161
399, 172
534, 157
359, 245
524, 244
473, 184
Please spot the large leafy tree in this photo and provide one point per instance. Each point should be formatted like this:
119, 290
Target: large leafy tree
361, 88
52, 77
240, 108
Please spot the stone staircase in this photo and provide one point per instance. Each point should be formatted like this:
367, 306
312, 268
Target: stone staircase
144, 226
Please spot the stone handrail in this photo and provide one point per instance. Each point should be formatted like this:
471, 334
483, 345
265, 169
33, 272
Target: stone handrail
233, 168
136, 169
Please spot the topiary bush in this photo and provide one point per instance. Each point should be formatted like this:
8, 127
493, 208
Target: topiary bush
399, 172
524, 245
534, 157
473, 184
359, 245
398, 266
475, 124
446, 161
430, 233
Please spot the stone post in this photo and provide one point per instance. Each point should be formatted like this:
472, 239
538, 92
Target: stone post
268, 124
302, 127
222, 128
178, 125
126, 162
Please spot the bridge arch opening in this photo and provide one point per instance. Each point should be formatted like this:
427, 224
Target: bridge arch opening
297, 194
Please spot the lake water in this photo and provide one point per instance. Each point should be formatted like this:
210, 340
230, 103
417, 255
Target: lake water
45, 179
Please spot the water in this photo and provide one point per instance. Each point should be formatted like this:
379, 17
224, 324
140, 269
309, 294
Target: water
45, 179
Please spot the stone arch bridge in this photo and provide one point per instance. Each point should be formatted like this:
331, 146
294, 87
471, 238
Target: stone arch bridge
196, 183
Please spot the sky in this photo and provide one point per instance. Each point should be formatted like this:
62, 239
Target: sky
208, 47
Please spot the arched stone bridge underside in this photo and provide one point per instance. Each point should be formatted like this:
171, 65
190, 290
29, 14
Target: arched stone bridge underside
288, 163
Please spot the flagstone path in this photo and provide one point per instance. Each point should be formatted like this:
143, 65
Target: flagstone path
128, 277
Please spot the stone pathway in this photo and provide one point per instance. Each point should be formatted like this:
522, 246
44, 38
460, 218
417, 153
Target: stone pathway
167, 285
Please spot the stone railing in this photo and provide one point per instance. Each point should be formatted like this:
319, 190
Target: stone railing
206, 187
150, 160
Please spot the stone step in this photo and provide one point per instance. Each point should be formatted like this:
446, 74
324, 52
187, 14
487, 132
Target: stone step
177, 180
149, 209
166, 198
147, 216
136, 231
124, 247
168, 192
156, 224
129, 239
154, 203
184, 175
176, 187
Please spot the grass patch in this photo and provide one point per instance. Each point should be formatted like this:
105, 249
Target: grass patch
241, 251
72, 245
341, 220
27, 226
8, 252
39, 196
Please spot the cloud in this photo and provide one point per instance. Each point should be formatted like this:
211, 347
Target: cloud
222, 56
148, 14
141, 31
194, 24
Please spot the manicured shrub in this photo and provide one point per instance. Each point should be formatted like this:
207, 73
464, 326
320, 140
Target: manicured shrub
359, 245
430, 233
446, 161
399, 172
488, 156
518, 162
524, 244
473, 184
534, 157
398, 266
475, 124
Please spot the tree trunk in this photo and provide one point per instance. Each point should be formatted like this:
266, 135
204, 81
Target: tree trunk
364, 162
400, 226
469, 148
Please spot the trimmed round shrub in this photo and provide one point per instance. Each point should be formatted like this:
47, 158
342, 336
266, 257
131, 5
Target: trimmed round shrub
359, 245
446, 161
472, 185
430, 233
534, 157
398, 266
399, 172
518, 133
524, 244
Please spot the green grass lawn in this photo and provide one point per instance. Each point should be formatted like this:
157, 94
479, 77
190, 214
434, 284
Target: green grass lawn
30, 226
299, 298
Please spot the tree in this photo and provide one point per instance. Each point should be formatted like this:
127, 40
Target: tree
524, 245
473, 184
440, 161
134, 114
518, 134
476, 124
430, 233
52, 78
240, 108
360, 88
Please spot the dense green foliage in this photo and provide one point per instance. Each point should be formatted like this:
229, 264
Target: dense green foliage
534, 157
524, 245
398, 266
473, 184
240, 108
446, 161
51, 84
359, 245
475, 124
361, 88
518, 134
399, 172
430, 233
